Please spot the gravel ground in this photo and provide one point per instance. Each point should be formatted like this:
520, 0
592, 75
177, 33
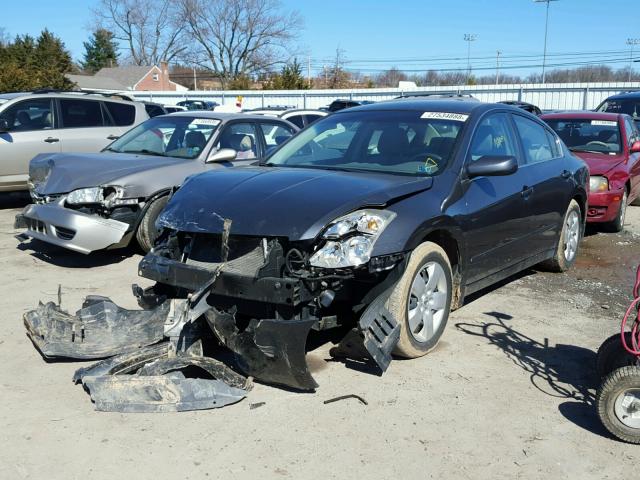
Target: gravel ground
507, 394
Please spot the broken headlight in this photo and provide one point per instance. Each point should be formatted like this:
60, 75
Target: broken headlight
350, 239
107, 196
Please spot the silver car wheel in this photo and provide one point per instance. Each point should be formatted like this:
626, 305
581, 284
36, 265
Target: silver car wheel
571, 235
427, 302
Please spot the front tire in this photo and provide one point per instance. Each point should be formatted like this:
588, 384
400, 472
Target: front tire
147, 231
618, 224
618, 404
569, 242
421, 300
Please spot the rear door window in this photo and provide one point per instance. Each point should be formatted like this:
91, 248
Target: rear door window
81, 113
297, 120
29, 115
123, 115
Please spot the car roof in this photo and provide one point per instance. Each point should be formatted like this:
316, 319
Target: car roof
224, 116
581, 114
73, 95
623, 95
425, 104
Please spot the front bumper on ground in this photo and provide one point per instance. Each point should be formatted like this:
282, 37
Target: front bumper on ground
603, 206
53, 223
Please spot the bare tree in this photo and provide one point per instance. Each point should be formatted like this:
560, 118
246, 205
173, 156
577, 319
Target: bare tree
391, 77
152, 30
240, 38
4, 37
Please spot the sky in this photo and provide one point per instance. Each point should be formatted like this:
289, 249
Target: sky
409, 34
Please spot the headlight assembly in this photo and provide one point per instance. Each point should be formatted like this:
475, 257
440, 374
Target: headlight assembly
350, 239
86, 195
108, 196
598, 184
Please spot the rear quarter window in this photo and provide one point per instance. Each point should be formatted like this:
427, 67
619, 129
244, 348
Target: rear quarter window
123, 115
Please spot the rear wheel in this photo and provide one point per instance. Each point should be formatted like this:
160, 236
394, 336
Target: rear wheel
421, 300
569, 242
147, 231
612, 355
618, 404
618, 224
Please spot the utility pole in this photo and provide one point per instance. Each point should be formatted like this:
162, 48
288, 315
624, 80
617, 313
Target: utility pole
469, 37
546, 29
498, 53
309, 70
195, 79
632, 42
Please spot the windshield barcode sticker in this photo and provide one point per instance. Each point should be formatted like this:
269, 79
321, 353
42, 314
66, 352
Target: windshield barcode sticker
604, 123
456, 117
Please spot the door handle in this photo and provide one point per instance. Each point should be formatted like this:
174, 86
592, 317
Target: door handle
565, 174
526, 192
113, 137
51, 140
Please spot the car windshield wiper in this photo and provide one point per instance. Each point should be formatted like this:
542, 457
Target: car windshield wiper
109, 149
587, 151
144, 151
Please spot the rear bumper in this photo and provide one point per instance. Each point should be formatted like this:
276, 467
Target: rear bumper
77, 231
603, 207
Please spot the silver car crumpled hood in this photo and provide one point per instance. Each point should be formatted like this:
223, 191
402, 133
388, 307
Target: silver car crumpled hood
65, 172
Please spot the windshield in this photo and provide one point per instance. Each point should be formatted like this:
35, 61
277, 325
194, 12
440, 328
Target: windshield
630, 106
399, 142
171, 136
584, 135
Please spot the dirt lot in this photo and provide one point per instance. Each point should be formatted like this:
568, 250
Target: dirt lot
508, 393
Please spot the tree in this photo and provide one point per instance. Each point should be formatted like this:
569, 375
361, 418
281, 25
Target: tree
391, 77
152, 30
239, 38
100, 51
289, 78
29, 63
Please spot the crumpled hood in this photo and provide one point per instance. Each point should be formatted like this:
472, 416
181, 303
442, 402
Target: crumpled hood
600, 164
296, 203
65, 172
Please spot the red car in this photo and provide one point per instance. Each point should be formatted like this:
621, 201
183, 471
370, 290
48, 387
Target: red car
610, 145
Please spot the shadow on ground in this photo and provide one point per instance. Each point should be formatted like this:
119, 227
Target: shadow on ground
62, 257
560, 371
14, 199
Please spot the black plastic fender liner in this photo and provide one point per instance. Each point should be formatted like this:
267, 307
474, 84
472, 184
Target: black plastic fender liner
99, 329
272, 351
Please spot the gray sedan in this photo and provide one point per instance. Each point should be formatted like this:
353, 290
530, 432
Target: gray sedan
88, 202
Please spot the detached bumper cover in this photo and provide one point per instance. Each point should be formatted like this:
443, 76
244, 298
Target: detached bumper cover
55, 224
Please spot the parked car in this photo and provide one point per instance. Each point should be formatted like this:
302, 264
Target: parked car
33, 123
529, 107
299, 117
421, 203
174, 108
626, 102
610, 145
341, 104
154, 109
88, 202
197, 104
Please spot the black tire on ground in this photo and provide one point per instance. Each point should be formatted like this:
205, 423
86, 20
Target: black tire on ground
618, 224
614, 385
559, 263
147, 232
612, 355
636, 202
426, 253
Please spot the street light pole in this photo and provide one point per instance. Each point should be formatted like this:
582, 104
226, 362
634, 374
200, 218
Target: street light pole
469, 37
498, 53
546, 30
632, 42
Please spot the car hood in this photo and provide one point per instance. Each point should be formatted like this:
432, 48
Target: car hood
65, 172
598, 163
296, 203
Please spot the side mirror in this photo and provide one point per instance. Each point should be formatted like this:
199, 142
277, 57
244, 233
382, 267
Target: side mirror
4, 126
222, 155
635, 147
491, 166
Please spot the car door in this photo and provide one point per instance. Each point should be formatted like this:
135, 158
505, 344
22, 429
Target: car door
633, 136
84, 127
550, 181
496, 220
32, 130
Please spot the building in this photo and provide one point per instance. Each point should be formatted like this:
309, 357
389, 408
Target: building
131, 78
